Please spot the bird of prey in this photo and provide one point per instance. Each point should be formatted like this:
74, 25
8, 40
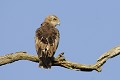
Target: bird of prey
47, 40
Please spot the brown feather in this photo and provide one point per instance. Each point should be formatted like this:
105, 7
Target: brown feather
46, 43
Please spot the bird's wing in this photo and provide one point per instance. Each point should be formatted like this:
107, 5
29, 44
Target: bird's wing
46, 40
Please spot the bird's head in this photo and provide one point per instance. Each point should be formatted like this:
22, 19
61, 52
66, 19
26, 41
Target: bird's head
52, 19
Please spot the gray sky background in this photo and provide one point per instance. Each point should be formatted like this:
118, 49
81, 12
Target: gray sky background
88, 29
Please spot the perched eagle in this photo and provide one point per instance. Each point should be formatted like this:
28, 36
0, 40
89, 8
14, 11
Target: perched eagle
46, 41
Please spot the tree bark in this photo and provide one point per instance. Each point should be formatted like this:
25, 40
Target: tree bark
61, 61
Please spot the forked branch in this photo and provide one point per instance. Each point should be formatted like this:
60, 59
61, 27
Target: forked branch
61, 61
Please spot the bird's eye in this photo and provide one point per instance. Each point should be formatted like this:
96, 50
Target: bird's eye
54, 19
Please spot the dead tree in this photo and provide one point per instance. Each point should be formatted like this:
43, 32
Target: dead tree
61, 61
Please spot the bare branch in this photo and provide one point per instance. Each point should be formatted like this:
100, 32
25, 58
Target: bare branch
61, 61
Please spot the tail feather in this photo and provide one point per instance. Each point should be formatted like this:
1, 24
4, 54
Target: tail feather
45, 61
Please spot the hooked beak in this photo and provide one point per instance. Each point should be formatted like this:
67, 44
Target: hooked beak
58, 23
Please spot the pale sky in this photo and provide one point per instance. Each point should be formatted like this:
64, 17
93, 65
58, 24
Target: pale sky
88, 29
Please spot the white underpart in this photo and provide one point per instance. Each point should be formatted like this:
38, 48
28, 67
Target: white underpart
48, 47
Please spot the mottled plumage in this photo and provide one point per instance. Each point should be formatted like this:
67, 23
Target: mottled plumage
46, 41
